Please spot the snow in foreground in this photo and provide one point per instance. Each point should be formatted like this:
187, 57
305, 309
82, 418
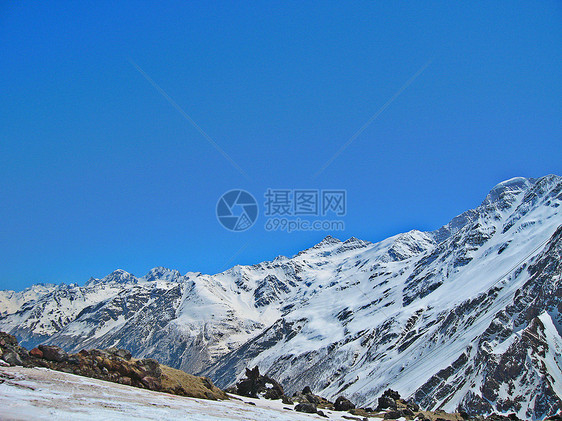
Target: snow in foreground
42, 394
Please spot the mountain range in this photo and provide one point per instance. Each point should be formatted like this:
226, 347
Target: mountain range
466, 317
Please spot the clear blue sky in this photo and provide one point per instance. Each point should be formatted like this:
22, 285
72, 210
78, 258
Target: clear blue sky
99, 171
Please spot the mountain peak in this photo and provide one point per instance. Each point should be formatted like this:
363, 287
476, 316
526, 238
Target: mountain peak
508, 189
328, 240
118, 276
161, 273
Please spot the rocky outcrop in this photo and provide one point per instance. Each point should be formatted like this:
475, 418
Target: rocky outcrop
256, 385
10, 351
343, 404
114, 365
52, 353
307, 407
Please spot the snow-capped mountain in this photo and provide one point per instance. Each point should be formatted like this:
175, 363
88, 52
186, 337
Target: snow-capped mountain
467, 316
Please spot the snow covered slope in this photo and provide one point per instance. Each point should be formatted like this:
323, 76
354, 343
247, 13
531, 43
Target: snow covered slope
466, 316
41, 394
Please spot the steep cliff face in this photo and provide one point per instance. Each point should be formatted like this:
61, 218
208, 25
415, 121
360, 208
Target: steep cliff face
466, 316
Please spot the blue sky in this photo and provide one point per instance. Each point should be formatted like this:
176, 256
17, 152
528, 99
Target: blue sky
100, 171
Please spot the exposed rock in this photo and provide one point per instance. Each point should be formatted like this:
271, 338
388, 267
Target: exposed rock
393, 415
413, 406
257, 385
125, 380
7, 340
149, 367
392, 394
36, 352
407, 412
286, 400
113, 365
12, 358
10, 352
151, 383
307, 407
388, 400
121, 353
319, 401
343, 404
53, 353
312, 399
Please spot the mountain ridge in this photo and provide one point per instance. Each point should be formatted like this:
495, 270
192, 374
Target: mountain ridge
413, 312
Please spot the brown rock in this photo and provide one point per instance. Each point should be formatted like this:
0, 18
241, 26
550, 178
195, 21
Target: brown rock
123, 369
121, 353
36, 352
7, 340
149, 367
125, 380
151, 383
53, 353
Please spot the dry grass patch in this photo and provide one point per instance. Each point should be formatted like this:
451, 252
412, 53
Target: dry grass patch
180, 383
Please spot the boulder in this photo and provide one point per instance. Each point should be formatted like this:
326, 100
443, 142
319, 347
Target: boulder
255, 385
7, 340
307, 407
125, 380
312, 399
72, 359
53, 353
343, 404
121, 353
12, 357
150, 367
286, 400
36, 352
386, 403
392, 394
151, 383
